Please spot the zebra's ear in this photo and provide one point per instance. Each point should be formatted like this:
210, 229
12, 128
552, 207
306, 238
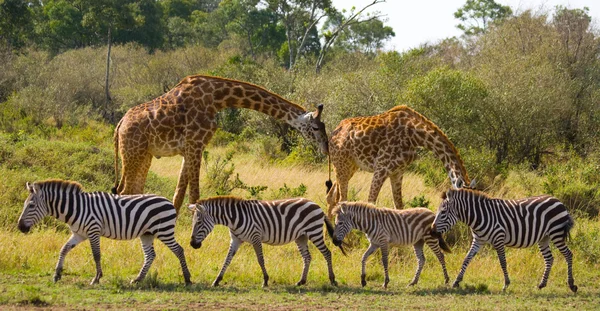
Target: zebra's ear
473, 183
192, 207
30, 187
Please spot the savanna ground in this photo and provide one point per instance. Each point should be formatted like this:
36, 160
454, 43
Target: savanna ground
27, 265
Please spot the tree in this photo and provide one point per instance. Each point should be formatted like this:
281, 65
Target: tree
367, 37
15, 23
336, 25
476, 15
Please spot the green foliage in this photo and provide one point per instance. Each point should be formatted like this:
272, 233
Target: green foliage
219, 177
576, 183
419, 201
287, 192
476, 15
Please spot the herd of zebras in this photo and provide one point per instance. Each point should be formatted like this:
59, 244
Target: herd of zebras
512, 223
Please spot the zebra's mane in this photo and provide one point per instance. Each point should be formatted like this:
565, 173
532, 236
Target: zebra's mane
469, 191
61, 184
368, 208
224, 198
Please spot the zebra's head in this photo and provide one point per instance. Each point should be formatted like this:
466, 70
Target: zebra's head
34, 209
313, 129
446, 216
202, 225
343, 223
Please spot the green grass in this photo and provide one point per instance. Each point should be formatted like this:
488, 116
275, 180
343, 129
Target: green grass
27, 261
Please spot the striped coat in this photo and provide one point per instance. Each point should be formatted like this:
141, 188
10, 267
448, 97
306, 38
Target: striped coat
386, 227
272, 222
508, 223
99, 214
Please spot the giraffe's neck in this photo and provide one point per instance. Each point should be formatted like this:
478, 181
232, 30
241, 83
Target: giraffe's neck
235, 94
428, 135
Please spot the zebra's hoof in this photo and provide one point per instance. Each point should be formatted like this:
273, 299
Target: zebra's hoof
188, 282
573, 288
363, 283
455, 284
56, 278
541, 285
301, 282
334, 283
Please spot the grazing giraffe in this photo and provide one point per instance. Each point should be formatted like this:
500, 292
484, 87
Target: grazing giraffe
386, 144
182, 122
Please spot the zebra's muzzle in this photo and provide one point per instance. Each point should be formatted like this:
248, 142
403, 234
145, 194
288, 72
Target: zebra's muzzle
337, 242
23, 227
195, 244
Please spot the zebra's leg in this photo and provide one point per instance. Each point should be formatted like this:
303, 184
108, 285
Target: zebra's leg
95, 244
178, 251
234, 245
71, 243
318, 241
384, 262
472, 252
149, 255
302, 243
502, 258
435, 247
544, 246
559, 242
418, 247
257, 244
363, 274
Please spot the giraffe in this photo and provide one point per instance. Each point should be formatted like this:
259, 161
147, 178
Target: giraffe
385, 144
182, 122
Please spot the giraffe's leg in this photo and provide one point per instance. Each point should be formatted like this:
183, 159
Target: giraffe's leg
544, 246
472, 252
71, 243
379, 176
257, 244
302, 243
182, 184
339, 191
149, 255
559, 242
418, 247
317, 240
135, 171
95, 244
178, 251
363, 273
434, 244
396, 182
234, 245
499, 246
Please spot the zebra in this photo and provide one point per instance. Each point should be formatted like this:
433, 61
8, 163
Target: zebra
385, 227
272, 222
514, 223
91, 215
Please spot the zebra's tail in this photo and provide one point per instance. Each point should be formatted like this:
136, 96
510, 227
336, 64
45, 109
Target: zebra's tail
443, 245
568, 226
330, 230
116, 143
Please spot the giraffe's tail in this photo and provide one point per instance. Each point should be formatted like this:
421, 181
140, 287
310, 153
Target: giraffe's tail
116, 143
328, 183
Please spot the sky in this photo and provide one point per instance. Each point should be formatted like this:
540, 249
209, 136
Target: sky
428, 21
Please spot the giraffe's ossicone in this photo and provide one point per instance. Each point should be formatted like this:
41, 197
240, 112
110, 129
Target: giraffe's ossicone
182, 122
385, 144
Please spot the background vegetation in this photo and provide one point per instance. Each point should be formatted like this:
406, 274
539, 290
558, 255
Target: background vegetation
519, 95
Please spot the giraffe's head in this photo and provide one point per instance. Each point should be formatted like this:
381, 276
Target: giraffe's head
34, 209
313, 129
